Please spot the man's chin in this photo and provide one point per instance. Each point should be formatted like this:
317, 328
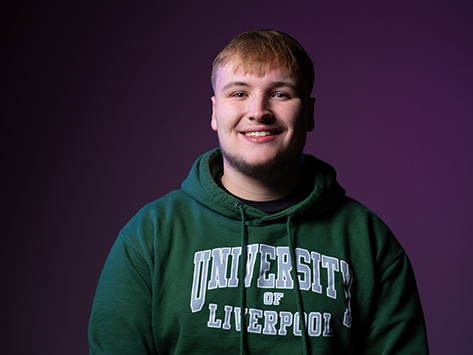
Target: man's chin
259, 168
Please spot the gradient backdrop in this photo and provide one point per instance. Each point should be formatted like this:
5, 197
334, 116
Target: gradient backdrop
108, 105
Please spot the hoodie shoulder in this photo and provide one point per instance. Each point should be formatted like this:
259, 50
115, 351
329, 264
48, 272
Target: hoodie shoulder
372, 231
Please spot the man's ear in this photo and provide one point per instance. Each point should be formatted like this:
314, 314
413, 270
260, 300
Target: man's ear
213, 123
311, 121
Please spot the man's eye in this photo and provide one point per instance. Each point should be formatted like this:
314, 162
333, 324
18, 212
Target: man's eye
280, 95
238, 94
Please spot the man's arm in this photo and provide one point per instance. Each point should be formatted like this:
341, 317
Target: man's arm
398, 325
120, 321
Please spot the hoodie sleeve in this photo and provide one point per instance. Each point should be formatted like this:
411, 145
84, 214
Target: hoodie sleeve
398, 323
120, 321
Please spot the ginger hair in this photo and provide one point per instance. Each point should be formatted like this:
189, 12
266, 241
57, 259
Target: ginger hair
256, 52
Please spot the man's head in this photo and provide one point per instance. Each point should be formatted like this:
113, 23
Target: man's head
258, 51
262, 109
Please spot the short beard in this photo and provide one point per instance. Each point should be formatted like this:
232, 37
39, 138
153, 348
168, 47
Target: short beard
264, 171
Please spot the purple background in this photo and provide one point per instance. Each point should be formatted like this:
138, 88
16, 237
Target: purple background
108, 106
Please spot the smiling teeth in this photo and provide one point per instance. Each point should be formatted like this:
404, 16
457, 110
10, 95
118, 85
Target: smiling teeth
257, 134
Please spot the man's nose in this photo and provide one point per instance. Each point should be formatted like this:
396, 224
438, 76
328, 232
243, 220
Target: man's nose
259, 108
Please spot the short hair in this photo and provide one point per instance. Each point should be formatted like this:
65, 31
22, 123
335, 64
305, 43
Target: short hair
260, 50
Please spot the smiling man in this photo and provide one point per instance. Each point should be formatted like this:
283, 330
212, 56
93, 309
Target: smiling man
262, 110
260, 251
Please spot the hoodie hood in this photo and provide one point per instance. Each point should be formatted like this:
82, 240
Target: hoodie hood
326, 193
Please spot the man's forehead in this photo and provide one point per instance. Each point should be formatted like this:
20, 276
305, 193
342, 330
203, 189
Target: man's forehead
236, 67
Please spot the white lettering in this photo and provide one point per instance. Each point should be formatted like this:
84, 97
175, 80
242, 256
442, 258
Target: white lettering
284, 279
213, 322
315, 324
285, 321
270, 320
250, 263
331, 264
233, 281
255, 314
316, 286
201, 268
218, 276
228, 314
304, 281
327, 325
263, 280
347, 282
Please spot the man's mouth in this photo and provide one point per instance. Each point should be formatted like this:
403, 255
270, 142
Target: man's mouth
259, 134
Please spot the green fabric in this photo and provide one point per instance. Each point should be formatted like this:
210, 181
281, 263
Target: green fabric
171, 285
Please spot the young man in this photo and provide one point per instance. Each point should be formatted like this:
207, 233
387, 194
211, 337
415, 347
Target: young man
260, 251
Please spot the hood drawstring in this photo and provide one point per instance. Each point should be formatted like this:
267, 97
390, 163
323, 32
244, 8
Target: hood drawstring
297, 290
244, 244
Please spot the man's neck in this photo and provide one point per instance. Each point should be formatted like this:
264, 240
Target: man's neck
270, 188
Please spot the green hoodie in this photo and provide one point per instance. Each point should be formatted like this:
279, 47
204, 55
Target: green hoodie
173, 282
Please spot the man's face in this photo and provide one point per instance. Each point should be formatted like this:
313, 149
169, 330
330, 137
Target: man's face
261, 121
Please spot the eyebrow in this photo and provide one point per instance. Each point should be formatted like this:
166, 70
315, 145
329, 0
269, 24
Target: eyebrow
234, 83
277, 84
280, 84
